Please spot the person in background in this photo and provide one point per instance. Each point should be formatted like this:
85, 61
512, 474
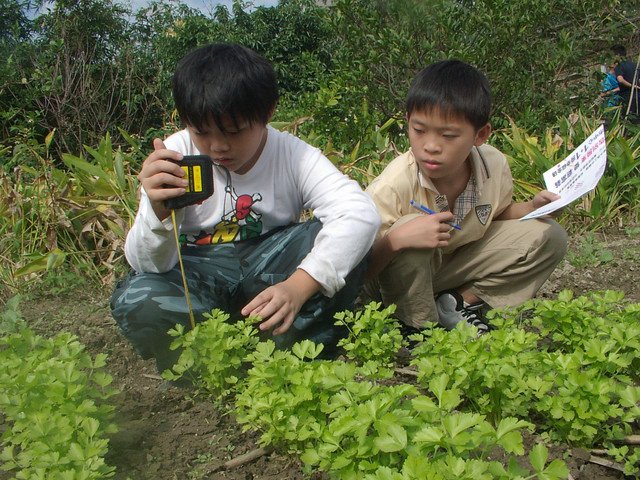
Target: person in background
626, 74
610, 90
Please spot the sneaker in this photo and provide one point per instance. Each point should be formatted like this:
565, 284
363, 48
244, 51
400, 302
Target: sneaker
407, 330
452, 309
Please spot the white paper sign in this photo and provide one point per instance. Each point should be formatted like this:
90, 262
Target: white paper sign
576, 175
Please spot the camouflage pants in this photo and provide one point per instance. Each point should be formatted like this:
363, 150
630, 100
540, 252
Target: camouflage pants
227, 276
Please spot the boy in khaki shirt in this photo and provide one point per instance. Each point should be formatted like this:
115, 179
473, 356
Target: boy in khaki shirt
472, 253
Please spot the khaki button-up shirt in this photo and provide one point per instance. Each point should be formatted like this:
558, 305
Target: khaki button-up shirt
401, 182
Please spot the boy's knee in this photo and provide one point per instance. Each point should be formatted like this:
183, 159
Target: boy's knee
555, 240
145, 308
410, 260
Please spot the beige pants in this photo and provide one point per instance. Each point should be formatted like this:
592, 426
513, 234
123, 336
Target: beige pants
504, 268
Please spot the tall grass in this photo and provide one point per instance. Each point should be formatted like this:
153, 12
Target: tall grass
72, 211
613, 203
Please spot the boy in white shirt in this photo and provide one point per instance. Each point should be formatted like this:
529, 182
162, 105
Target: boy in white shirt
243, 249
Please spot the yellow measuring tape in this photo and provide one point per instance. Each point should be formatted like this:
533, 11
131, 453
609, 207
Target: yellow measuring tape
199, 175
184, 277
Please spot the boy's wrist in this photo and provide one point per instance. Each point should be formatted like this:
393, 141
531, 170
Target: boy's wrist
304, 284
393, 241
160, 210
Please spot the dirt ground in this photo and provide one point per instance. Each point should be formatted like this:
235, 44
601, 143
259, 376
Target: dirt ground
168, 434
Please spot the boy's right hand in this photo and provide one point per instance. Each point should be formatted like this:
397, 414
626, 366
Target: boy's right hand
427, 231
161, 178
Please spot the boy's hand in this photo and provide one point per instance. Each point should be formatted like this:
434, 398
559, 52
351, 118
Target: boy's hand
428, 231
279, 304
519, 209
544, 197
161, 178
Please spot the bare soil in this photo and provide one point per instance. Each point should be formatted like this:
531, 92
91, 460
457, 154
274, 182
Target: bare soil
167, 434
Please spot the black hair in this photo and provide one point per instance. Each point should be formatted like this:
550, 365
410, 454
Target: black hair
454, 89
224, 79
619, 50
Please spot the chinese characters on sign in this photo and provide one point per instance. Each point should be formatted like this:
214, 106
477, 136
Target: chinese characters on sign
576, 175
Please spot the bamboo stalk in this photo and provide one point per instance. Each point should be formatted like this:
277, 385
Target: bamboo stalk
606, 463
247, 458
634, 88
631, 440
628, 440
598, 451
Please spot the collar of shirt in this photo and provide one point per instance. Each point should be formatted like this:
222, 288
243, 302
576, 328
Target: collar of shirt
468, 199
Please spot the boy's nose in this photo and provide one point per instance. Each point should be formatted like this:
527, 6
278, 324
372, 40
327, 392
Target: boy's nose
431, 146
218, 145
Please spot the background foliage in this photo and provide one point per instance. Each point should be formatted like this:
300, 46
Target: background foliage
85, 86
86, 67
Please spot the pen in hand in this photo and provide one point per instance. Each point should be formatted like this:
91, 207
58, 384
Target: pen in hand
427, 210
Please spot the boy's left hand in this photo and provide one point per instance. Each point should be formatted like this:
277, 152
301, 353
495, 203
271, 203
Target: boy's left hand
279, 304
544, 197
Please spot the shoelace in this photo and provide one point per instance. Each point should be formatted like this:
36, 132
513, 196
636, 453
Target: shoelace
470, 314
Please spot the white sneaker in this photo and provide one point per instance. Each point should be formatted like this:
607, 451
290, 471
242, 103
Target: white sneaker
452, 309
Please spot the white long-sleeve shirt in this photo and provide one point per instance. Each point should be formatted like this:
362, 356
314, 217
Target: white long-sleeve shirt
289, 177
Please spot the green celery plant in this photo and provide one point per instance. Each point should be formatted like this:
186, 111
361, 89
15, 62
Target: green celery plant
53, 396
373, 334
214, 352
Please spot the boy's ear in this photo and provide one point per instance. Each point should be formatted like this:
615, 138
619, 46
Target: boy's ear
482, 135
